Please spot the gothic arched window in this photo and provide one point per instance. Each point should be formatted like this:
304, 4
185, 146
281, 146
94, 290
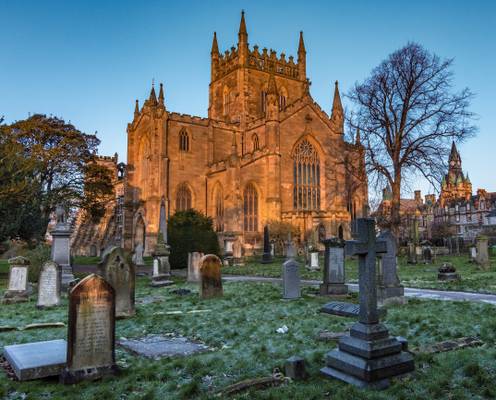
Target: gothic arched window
306, 177
183, 198
256, 144
283, 95
183, 141
250, 207
219, 210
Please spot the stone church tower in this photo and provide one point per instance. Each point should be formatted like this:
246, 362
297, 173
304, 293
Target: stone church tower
266, 152
455, 185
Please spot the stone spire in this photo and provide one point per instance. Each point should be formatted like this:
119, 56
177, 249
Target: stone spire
161, 96
302, 58
215, 46
153, 97
454, 154
136, 109
358, 140
337, 115
243, 41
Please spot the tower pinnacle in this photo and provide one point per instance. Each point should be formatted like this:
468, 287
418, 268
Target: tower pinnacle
215, 46
161, 94
337, 115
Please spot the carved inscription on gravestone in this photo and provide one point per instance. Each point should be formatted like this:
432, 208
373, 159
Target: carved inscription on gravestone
49, 285
18, 278
336, 260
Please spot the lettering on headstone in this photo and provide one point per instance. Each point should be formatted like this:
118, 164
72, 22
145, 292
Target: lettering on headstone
18, 278
17, 288
49, 285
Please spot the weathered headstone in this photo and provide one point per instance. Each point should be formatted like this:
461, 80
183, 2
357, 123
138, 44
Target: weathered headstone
482, 257
137, 258
38, 359
447, 272
49, 284
427, 254
117, 270
267, 256
194, 264
161, 267
61, 250
412, 253
341, 309
290, 249
291, 280
314, 261
210, 276
334, 277
91, 331
473, 254
389, 286
368, 356
294, 368
17, 289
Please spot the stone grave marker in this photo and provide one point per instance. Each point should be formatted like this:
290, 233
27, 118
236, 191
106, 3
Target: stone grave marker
267, 255
61, 246
368, 357
412, 253
290, 248
161, 267
482, 257
314, 261
38, 359
334, 276
389, 286
427, 254
138, 255
341, 309
210, 277
49, 284
117, 270
194, 263
17, 288
291, 280
91, 331
473, 254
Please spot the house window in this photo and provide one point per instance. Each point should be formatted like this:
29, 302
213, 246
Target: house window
250, 208
183, 198
256, 144
306, 177
219, 211
183, 141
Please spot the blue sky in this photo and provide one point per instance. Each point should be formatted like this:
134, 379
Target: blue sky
88, 61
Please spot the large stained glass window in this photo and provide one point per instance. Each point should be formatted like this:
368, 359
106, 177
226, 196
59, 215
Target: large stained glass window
183, 198
306, 177
250, 203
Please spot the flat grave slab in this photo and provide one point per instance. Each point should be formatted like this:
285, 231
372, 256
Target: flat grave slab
158, 346
38, 359
341, 309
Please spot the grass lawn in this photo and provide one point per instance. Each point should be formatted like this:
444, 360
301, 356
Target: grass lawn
241, 330
420, 275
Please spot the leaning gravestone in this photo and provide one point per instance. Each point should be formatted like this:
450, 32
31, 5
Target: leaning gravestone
210, 277
194, 264
482, 257
334, 279
49, 283
291, 280
389, 286
368, 356
17, 289
91, 331
116, 269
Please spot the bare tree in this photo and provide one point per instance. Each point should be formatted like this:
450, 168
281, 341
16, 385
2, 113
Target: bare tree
408, 114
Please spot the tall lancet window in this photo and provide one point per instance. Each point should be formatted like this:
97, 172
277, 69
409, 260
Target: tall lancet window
306, 177
183, 198
183, 141
219, 210
250, 208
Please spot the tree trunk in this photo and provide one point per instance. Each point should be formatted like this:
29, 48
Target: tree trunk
395, 217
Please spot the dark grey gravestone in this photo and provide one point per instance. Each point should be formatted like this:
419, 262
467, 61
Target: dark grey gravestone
49, 284
368, 357
267, 256
119, 271
61, 250
334, 277
427, 254
157, 346
37, 360
291, 280
389, 286
17, 287
294, 368
341, 309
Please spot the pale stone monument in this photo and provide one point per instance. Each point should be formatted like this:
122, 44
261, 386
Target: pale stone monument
161, 267
17, 288
194, 264
91, 331
210, 277
334, 276
368, 357
61, 251
314, 261
119, 272
291, 280
49, 285
389, 286
482, 257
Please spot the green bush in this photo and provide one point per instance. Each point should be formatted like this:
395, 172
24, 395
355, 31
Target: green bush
190, 231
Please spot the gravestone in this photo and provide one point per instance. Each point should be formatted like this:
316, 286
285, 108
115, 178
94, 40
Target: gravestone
389, 286
61, 250
37, 360
157, 346
294, 368
138, 255
473, 254
447, 272
291, 280
267, 255
368, 357
210, 277
17, 289
334, 276
161, 267
49, 284
412, 253
91, 331
482, 257
194, 264
427, 254
314, 261
290, 249
119, 272
341, 309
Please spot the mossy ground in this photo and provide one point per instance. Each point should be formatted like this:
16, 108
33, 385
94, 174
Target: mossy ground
474, 278
241, 330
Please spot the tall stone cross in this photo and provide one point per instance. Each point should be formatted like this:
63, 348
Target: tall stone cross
366, 248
